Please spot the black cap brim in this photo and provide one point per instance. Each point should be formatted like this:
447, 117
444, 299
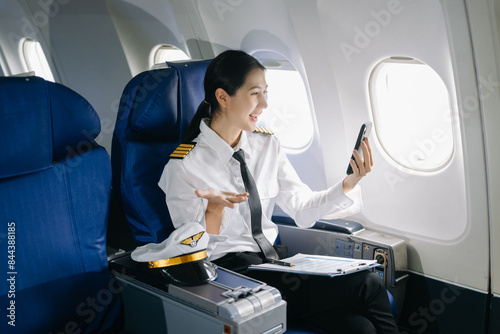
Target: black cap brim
191, 273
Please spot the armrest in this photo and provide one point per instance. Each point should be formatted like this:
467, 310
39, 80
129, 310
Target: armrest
333, 225
230, 303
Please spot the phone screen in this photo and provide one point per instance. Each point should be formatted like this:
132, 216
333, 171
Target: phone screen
363, 133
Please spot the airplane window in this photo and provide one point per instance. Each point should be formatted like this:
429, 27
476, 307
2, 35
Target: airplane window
165, 52
35, 60
412, 113
288, 114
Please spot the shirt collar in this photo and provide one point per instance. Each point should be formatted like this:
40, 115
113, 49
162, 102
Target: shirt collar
244, 144
224, 151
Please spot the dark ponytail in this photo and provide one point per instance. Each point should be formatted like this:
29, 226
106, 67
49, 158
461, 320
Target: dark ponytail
228, 71
193, 130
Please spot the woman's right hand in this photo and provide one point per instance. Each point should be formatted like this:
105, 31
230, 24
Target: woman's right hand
222, 198
217, 201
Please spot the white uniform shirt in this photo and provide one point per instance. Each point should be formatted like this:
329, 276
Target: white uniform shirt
210, 165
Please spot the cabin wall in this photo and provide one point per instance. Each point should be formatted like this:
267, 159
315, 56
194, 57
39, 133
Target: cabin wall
141, 28
485, 27
94, 67
454, 228
441, 214
15, 25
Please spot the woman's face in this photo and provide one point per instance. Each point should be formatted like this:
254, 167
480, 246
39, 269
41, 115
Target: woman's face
249, 101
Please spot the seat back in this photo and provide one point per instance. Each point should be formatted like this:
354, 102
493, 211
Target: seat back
155, 111
55, 185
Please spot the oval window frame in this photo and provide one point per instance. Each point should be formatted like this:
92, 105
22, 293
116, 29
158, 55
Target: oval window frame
274, 62
155, 56
422, 147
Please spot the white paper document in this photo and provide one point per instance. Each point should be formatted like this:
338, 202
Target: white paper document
317, 265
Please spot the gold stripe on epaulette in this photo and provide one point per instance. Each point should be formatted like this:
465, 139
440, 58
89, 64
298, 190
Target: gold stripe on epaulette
262, 129
182, 150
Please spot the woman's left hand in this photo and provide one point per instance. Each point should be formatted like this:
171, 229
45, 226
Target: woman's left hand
360, 168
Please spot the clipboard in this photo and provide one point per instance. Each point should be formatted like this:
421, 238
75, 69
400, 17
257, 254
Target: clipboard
317, 265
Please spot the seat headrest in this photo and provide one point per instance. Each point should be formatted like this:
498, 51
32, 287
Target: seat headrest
154, 110
41, 122
158, 98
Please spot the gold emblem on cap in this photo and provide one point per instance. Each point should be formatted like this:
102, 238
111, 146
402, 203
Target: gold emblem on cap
182, 150
262, 129
193, 240
178, 260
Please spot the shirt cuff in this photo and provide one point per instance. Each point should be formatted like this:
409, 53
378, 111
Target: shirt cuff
348, 204
337, 196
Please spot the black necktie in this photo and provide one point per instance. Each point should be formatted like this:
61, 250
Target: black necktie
255, 208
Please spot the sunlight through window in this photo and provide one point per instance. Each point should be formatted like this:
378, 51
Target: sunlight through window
288, 114
35, 60
412, 113
163, 53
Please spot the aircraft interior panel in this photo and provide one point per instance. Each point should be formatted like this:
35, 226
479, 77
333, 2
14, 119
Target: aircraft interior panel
70, 43
12, 22
484, 20
488, 63
134, 25
381, 33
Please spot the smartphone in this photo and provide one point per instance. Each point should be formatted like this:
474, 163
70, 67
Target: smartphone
363, 133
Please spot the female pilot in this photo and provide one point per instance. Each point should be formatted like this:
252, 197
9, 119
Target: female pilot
232, 178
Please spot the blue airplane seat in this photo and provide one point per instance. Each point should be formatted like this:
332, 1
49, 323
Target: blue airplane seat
55, 184
154, 113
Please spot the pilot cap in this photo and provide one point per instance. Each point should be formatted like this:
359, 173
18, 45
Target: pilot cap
182, 257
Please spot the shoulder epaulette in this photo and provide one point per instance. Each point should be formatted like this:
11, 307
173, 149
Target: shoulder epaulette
264, 130
182, 150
